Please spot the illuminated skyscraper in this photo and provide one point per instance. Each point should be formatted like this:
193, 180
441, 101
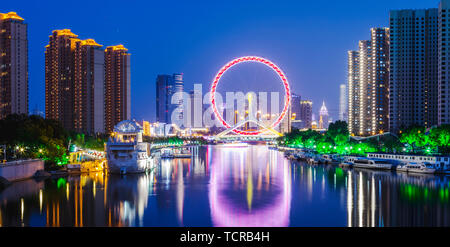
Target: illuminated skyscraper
353, 92
368, 82
117, 86
89, 108
166, 87
295, 112
306, 113
74, 82
295, 106
59, 77
323, 117
13, 65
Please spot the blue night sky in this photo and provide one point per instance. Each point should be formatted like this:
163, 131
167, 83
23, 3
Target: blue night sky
307, 39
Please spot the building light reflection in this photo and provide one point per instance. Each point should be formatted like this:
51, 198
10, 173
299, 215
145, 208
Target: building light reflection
40, 200
224, 212
350, 199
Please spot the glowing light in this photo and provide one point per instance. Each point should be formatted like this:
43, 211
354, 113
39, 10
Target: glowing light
258, 60
65, 32
10, 15
41, 199
22, 208
117, 48
90, 42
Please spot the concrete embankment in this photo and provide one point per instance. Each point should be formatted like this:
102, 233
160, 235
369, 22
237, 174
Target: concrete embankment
19, 170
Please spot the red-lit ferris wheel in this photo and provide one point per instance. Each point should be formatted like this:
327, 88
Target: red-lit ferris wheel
255, 59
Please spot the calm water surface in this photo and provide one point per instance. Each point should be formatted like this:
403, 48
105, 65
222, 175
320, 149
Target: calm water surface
223, 186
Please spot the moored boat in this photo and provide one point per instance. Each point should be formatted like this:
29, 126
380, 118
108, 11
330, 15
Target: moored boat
125, 150
416, 168
372, 164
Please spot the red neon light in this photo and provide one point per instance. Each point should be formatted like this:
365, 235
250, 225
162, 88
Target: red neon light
251, 59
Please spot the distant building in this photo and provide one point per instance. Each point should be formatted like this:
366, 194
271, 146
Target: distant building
166, 87
295, 106
343, 102
314, 124
195, 110
285, 125
146, 128
368, 81
323, 117
13, 65
306, 113
117, 86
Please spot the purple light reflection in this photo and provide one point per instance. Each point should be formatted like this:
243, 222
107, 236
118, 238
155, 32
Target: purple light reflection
273, 171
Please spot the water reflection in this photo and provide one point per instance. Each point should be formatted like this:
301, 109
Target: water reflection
249, 188
221, 186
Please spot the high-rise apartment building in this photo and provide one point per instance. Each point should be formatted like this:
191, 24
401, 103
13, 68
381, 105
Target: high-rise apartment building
117, 86
353, 92
306, 113
368, 81
74, 82
59, 77
13, 65
166, 87
343, 102
443, 91
414, 74
89, 108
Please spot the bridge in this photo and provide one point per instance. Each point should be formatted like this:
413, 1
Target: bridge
267, 134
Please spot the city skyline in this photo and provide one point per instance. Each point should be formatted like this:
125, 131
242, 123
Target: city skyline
202, 56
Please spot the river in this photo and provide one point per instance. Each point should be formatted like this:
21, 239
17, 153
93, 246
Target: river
231, 186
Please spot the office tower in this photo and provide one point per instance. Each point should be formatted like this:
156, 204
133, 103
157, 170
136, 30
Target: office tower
306, 113
117, 86
343, 102
368, 81
414, 76
13, 65
323, 117
163, 91
74, 82
295, 106
166, 87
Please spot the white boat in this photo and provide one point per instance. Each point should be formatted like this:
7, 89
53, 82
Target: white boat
416, 168
125, 150
168, 153
372, 164
348, 161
